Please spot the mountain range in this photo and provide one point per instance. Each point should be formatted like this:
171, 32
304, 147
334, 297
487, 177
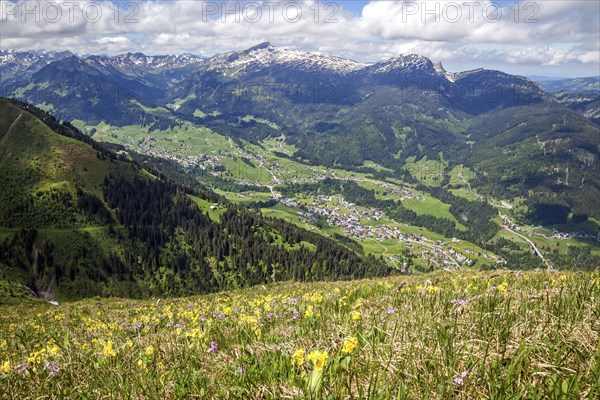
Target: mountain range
520, 140
571, 85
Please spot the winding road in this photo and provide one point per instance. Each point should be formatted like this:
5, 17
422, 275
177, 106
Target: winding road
535, 249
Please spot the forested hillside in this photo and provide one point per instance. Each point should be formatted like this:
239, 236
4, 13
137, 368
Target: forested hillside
77, 220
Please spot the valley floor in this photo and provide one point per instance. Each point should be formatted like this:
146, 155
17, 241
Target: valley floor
464, 334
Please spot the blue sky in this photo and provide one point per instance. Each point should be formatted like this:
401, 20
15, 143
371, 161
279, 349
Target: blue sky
356, 6
552, 38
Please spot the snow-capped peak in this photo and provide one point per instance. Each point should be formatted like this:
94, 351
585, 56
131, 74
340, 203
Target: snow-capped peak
410, 62
266, 55
140, 61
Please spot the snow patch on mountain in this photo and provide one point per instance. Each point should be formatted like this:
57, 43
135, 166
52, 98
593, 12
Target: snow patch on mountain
138, 61
267, 56
404, 63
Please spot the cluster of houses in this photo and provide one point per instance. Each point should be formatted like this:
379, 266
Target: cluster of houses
148, 146
401, 191
571, 235
349, 217
556, 234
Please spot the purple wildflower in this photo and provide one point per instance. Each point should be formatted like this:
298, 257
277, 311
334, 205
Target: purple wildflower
296, 315
22, 367
134, 327
459, 301
459, 380
292, 300
213, 347
240, 371
53, 368
390, 310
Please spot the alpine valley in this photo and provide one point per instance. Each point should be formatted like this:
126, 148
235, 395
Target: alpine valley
140, 175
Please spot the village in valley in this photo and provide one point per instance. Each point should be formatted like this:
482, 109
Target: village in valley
264, 166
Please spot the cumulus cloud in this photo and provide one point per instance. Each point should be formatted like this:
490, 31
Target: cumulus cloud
113, 44
466, 33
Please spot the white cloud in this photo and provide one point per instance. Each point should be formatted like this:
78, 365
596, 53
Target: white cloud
537, 56
114, 44
591, 57
558, 33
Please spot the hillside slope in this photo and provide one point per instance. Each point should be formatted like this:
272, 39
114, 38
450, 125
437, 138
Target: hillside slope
461, 335
78, 221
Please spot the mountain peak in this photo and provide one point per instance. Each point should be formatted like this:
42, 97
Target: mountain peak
265, 55
439, 68
263, 45
404, 63
72, 62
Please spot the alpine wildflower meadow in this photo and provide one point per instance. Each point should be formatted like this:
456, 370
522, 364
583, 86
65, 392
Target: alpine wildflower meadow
445, 335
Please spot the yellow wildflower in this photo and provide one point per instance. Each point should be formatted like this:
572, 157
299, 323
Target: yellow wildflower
34, 358
5, 368
432, 289
318, 359
298, 357
349, 345
502, 287
194, 333
356, 316
309, 312
108, 350
149, 351
53, 350
316, 298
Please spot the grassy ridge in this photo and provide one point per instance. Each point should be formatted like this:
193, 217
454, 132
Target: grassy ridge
41, 171
443, 336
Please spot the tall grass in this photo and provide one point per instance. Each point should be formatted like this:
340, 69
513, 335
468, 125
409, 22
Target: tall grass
463, 335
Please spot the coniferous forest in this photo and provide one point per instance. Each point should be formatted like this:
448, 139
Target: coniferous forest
140, 234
